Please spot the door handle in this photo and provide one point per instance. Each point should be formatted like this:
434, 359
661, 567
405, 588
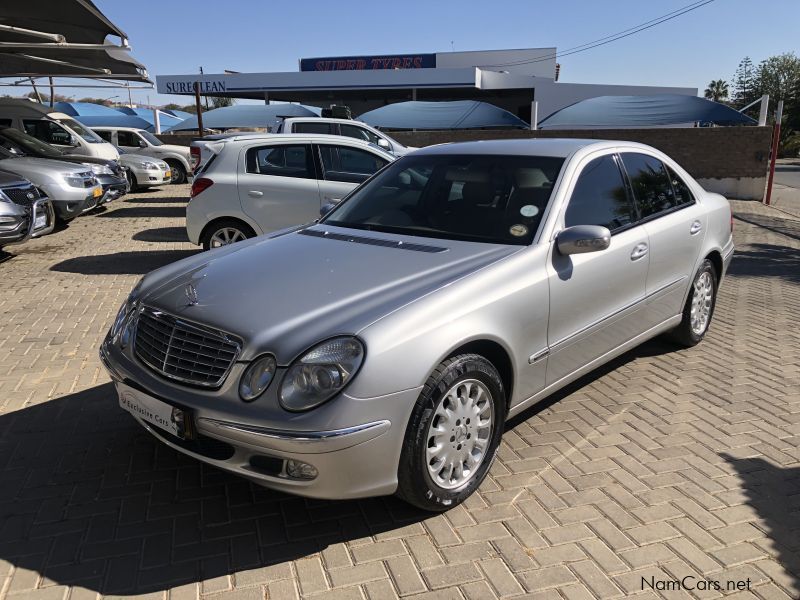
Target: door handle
255, 194
695, 228
639, 250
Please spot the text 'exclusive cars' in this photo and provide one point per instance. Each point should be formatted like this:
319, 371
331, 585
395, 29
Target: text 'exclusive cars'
382, 349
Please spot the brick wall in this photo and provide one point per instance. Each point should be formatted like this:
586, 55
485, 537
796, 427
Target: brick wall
729, 160
707, 153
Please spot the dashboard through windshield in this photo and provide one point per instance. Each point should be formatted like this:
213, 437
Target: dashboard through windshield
484, 198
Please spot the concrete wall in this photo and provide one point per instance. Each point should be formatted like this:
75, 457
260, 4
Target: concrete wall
732, 161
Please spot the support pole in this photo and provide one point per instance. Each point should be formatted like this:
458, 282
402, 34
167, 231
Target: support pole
776, 141
534, 115
266, 98
52, 93
36, 90
198, 107
157, 120
762, 114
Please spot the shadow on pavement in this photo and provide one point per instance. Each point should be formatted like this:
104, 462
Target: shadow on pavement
144, 211
774, 493
91, 499
654, 347
787, 227
162, 234
767, 260
121, 263
139, 198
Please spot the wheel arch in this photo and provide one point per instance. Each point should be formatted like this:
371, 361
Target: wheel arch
216, 220
496, 354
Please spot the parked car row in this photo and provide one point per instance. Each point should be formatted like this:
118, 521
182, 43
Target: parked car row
53, 169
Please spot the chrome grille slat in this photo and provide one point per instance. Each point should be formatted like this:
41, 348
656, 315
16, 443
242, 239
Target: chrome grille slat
184, 351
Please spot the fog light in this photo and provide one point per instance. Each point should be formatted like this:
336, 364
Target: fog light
300, 470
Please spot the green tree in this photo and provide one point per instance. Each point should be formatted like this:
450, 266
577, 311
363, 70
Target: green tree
219, 102
717, 90
745, 88
778, 76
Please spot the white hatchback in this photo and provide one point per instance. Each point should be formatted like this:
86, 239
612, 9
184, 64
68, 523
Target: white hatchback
258, 185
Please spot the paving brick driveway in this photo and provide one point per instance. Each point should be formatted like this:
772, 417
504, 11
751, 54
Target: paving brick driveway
665, 464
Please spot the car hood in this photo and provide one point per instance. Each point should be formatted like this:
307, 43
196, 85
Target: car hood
173, 148
131, 158
8, 179
286, 292
44, 166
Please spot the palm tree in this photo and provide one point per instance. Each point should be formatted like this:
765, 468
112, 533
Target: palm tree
717, 90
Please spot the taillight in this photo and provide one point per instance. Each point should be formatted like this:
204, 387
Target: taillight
200, 185
194, 151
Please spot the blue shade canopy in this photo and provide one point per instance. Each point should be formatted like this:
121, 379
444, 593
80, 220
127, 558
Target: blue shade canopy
166, 119
181, 114
76, 109
643, 111
242, 116
458, 114
117, 120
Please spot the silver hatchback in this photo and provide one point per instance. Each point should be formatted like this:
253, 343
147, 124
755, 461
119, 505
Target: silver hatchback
381, 349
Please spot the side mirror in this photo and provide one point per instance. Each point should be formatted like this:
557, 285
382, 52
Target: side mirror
329, 205
142, 144
383, 143
73, 141
581, 239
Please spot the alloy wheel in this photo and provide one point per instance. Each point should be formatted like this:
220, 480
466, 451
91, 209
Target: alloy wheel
702, 300
225, 236
459, 434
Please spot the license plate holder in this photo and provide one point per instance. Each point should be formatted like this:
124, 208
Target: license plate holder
172, 419
40, 222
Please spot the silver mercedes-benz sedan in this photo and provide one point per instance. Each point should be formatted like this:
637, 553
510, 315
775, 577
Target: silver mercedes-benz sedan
381, 349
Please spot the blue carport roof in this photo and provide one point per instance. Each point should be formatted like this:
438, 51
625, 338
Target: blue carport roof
166, 119
245, 115
457, 114
118, 120
643, 111
75, 109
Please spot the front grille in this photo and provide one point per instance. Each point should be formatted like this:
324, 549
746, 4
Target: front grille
20, 195
184, 351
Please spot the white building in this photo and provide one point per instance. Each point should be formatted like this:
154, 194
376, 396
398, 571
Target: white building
510, 79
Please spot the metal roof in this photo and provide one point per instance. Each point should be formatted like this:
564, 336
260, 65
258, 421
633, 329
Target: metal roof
67, 38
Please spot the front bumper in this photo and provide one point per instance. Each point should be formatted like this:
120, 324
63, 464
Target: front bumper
353, 461
113, 188
25, 227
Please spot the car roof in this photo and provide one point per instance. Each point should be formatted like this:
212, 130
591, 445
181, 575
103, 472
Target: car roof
319, 137
114, 128
559, 147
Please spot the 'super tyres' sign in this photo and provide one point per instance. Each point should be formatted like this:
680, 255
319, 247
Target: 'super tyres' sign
369, 63
187, 87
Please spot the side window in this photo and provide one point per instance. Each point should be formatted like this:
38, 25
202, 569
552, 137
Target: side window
47, 131
106, 135
651, 184
128, 139
283, 161
323, 128
683, 195
359, 133
600, 197
353, 165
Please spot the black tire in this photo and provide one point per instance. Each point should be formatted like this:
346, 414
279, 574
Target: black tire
132, 183
415, 484
216, 226
684, 334
178, 172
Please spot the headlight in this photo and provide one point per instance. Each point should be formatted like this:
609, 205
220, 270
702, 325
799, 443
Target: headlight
100, 169
120, 330
75, 180
321, 373
257, 377
148, 165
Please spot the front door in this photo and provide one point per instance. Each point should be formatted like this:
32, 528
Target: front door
676, 226
595, 297
278, 186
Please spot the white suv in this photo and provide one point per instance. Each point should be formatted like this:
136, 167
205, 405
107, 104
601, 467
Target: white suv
254, 185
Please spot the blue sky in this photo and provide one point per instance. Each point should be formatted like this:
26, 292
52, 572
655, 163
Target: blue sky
247, 35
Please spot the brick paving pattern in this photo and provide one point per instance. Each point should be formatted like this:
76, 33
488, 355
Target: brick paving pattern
662, 465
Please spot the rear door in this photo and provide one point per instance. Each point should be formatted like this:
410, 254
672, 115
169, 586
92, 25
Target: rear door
675, 224
278, 185
344, 167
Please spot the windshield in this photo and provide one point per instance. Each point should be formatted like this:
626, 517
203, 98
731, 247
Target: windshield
87, 134
483, 198
151, 138
22, 143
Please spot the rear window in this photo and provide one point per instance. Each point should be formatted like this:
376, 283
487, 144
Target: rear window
315, 128
289, 160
